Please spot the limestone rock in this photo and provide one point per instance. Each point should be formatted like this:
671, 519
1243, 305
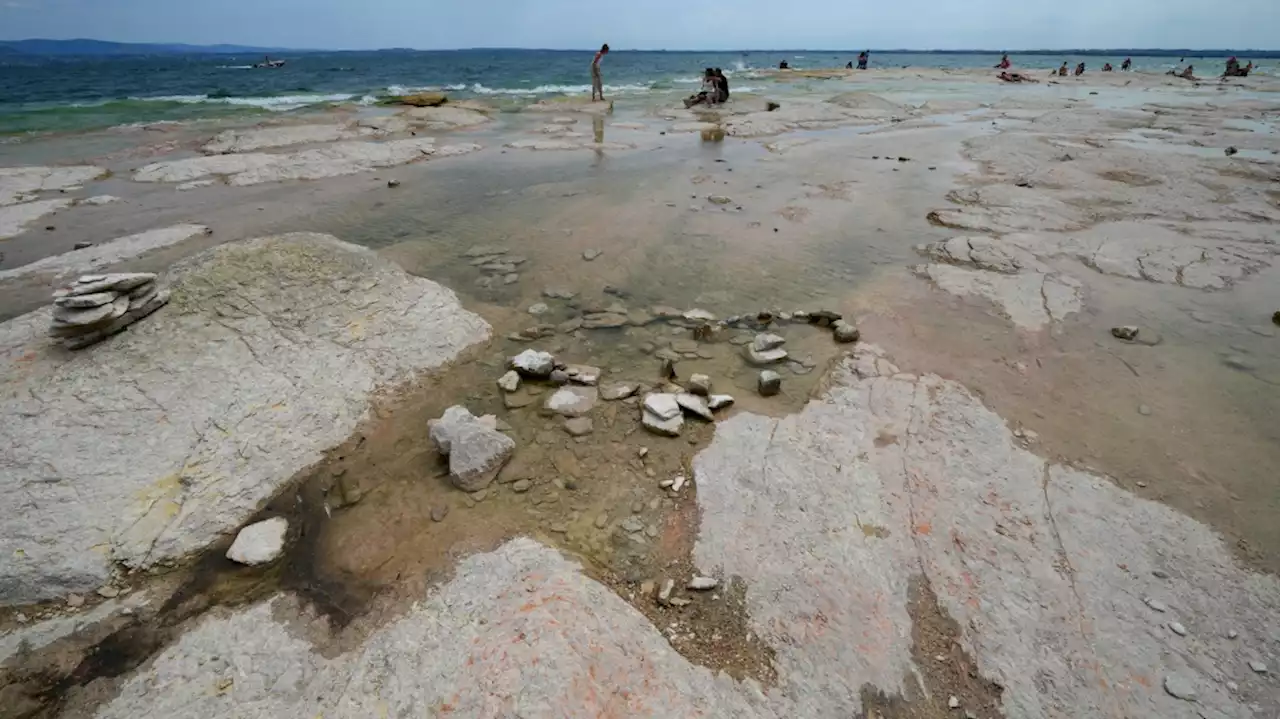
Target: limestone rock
97, 299
476, 450
769, 383
578, 426
605, 320
718, 402
695, 405
572, 401
663, 427
844, 332
592, 254
583, 374
765, 358
765, 341
1127, 333
260, 543
618, 390
509, 382
702, 584
662, 405
1180, 687
697, 316
700, 384
532, 363
122, 282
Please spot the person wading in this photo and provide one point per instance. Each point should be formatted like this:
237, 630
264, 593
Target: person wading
597, 83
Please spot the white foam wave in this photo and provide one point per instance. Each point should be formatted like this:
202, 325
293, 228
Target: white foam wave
235, 67
279, 103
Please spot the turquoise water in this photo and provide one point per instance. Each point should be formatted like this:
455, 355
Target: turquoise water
65, 95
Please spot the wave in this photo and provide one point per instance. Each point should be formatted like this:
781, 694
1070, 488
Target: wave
235, 67
278, 103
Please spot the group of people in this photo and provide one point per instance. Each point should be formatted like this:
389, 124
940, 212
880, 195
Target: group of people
1234, 69
715, 89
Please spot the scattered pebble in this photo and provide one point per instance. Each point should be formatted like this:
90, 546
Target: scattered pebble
769, 383
1232, 686
590, 255
108, 592
509, 382
82, 245
1127, 333
678, 483
578, 426
953, 702
643, 452
602, 520
393, 183
539, 308
1177, 628
664, 595
1144, 410
439, 512
705, 583
699, 384
1258, 667
1232, 634
666, 483
1179, 688
1156, 604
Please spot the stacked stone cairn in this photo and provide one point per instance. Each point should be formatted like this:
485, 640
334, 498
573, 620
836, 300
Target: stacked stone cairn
96, 307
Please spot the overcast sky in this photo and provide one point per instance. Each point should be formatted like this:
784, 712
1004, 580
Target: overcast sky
655, 24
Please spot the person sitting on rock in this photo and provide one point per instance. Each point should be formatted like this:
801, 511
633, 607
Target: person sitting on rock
707, 95
1079, 69
722, 86
1062, 71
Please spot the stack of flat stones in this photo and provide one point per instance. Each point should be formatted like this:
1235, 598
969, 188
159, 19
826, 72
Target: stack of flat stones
96, 307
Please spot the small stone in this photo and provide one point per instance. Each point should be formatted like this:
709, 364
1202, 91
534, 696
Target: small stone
605, 321
666, 483
439, 512
667, 370
643, 452
1127, 333
1230, 151
1179, 688
21, 618
476, 450
393, 183
96, 299
517, 401
67, 316
259, 543
824, 318
1232, 634
1177, 628
539, 308
695, 405
678, 483
718, 402
664, 595
1144, 410
1156, 604
571, 401
1258, 667
681, 602
662, 427
591, 254
954, 703
569, 326
633, 524
765, 358
769, 383
844, 332
578, 426
559, 293
108, 592
520, 486
82, 246
1159, 574
699, 316
662, 405
720, 200
618, 390
583, 374
1232, 686
702, 583
509, 382
532, 363
75, 601
558, 377
647, 588
766, 341
510, 279
602, 521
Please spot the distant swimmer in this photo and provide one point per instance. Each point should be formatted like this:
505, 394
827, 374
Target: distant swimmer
597, 82
1079, 69
1062, 71
862, 59
1004, 62
1015, 77
1107, 67
1126, 64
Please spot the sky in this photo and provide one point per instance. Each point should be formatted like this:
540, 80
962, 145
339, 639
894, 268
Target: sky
655, 24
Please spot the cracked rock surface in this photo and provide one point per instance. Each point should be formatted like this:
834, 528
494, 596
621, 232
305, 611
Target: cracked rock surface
826, 516
157, 442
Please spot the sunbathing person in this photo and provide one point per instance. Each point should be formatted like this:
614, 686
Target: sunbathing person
708, 94
1015, 77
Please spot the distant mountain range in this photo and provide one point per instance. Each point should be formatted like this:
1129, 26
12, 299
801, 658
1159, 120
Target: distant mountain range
102, 47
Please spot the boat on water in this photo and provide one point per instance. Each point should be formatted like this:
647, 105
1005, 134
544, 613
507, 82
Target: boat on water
268, 62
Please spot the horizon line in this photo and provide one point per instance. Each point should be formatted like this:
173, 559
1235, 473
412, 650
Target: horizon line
976, 51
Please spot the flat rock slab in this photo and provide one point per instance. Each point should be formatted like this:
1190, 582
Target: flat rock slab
92, 259
157, 442
18, 184
15, 218
336, 159
267, 137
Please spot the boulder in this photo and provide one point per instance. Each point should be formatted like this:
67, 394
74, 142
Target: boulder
475, 449
699, 384
718, 402
844, 332
260, 543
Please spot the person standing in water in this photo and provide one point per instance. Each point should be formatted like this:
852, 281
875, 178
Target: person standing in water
597, 82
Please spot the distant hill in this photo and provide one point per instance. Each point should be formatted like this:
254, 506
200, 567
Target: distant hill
104, 48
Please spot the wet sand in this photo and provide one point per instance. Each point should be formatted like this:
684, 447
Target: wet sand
828, 214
